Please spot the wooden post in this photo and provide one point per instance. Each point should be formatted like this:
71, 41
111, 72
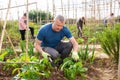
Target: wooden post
111, 7
104, 3
8, 35
11, 43
37, 12
18, 6
114, 7
119, 67
73, 12
4, 26
119, 7
76, 14
94, 9
98, 9
85, 8
53, 8
68, 10
62, 6
47, 16
119, 55
27, 30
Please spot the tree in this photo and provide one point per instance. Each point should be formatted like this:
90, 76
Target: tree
37, 15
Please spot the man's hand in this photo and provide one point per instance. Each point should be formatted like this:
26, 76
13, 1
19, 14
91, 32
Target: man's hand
45, 55
75, 55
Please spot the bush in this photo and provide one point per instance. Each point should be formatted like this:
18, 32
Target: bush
110, 42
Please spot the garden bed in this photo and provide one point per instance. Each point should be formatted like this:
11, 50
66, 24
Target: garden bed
101, 69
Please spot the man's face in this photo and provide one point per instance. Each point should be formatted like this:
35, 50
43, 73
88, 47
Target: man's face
57, 25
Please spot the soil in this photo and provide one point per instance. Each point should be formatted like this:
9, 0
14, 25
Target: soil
101, 69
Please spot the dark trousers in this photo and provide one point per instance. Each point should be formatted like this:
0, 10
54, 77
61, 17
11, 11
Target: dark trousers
22, 32
32, 31
79, 31
62, 50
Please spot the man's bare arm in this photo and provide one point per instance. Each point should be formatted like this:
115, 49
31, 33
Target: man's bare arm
75, 44
37, 45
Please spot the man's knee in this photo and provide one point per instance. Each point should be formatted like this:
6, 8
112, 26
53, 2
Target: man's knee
70, 45
54, 54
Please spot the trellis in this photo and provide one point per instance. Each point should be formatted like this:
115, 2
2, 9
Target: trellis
4, 27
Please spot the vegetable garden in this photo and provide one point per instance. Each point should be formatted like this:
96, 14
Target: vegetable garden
32, 66
20, 61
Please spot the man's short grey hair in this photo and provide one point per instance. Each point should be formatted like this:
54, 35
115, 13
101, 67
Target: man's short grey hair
60, 18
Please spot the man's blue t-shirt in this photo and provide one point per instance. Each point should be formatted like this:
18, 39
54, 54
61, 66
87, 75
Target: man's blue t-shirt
51, 38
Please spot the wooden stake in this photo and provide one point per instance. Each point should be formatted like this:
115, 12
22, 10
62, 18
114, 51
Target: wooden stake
4, 26
11, 43
119, 56
27, 30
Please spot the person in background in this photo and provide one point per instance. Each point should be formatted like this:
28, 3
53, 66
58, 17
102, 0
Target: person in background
105, 22
23, 26
49, 42
111, 20
80, 24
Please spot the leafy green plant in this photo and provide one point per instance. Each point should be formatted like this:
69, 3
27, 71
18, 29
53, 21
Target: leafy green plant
9, 50
84, 54
2, 56
92, 40
72, 69
110, 42
33, 69
23, 45
80, 40
30, 47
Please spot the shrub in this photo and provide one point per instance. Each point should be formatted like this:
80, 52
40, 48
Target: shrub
110, 42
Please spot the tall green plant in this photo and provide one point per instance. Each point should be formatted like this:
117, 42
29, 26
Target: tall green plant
23, 45
30, 46
84, 54
2, 56
110, 42
31, 49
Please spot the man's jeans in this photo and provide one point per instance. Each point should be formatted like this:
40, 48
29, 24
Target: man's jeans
62, 50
